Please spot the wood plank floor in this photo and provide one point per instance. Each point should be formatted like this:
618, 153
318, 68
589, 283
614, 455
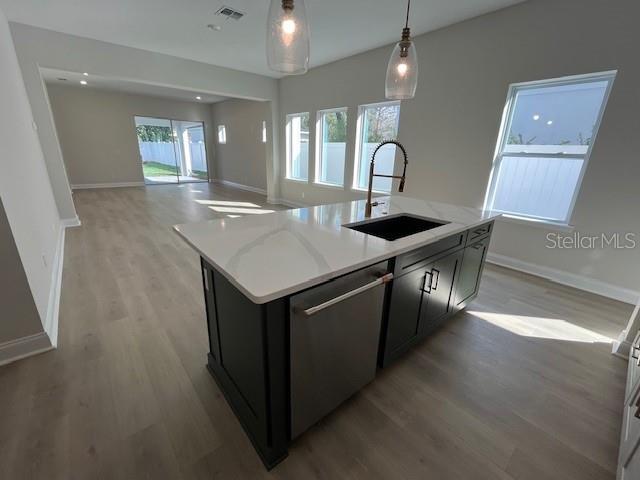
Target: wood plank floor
520, 386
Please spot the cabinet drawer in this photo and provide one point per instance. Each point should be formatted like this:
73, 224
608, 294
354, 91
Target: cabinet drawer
479, 231
412, 260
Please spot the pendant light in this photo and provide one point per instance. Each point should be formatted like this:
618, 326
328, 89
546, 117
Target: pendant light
402, 70
288, 37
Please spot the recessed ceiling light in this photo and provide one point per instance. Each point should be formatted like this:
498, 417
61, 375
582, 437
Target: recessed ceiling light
536, 117
83, 82
85, 74
550, 122
215, 27
198, 97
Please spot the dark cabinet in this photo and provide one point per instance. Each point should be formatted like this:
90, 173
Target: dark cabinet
438, 299
431, 284
468, 281
404, 311
248, 359
419, 300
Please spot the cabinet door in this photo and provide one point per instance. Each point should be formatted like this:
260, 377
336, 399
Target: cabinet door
404, 311
629, 456
470, 272
437, 302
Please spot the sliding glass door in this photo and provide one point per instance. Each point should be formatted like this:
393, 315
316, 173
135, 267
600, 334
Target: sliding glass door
171, 151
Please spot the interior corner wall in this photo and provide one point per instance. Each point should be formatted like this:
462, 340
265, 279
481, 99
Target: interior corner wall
450, 128
97, 131
243, 158
28, 201
47, 134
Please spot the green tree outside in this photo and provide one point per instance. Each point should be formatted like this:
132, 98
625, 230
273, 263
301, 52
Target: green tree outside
153, 133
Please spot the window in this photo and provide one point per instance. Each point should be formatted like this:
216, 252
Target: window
171, 151
331, 146
222, 134
547, 134
264, 131
298, 146
376, 123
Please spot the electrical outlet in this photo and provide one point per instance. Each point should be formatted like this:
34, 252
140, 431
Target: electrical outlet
302, 194
44, 261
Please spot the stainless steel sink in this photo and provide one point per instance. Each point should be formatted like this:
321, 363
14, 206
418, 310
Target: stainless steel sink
398, 226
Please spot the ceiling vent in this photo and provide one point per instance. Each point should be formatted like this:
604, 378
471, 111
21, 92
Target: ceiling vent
229, 12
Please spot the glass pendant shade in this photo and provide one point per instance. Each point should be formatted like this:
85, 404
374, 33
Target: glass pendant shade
288, 37
402, 71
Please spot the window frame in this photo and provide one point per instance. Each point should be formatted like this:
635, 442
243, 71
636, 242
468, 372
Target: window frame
287, 147
359, 141
318, 147
505, 127
222, 134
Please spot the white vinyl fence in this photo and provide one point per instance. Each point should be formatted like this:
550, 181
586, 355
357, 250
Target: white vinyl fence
198, 156
539, 187
159, 152
332, 167
165, 153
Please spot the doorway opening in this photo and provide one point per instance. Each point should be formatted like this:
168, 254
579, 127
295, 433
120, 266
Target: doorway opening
171, 151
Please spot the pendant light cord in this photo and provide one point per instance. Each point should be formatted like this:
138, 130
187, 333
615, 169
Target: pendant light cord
406, 25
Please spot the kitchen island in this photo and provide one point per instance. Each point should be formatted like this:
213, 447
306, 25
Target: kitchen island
303, 306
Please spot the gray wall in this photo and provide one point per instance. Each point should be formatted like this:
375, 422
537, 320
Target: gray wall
19, 314
28, 251
243, 159
39, 47
97, 131
450, 128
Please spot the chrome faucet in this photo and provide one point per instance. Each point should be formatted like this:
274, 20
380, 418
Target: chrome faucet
367, 211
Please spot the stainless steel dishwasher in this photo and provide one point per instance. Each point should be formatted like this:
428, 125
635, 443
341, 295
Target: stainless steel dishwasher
335, 329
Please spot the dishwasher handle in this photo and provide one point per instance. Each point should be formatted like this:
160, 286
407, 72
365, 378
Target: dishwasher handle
380, 281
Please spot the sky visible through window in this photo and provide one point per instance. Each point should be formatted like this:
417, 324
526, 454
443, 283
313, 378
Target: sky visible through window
559, 115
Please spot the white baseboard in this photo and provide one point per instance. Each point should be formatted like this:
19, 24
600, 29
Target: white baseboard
287, 203
71, 222
621, 346
82, 186
240, 186
24, 347
569, 279
48, 339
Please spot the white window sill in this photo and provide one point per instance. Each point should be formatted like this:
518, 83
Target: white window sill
364, 190
533, 222
332, 186
296, 180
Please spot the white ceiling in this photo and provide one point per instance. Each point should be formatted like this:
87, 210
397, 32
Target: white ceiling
339, 28
61, 77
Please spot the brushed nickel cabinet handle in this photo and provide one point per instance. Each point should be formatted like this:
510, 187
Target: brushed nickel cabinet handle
340, 298
424, 282
205, 273
477, 246
435, 287
634, 349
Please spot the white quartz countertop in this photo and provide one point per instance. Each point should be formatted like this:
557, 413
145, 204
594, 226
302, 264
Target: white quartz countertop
273, 255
